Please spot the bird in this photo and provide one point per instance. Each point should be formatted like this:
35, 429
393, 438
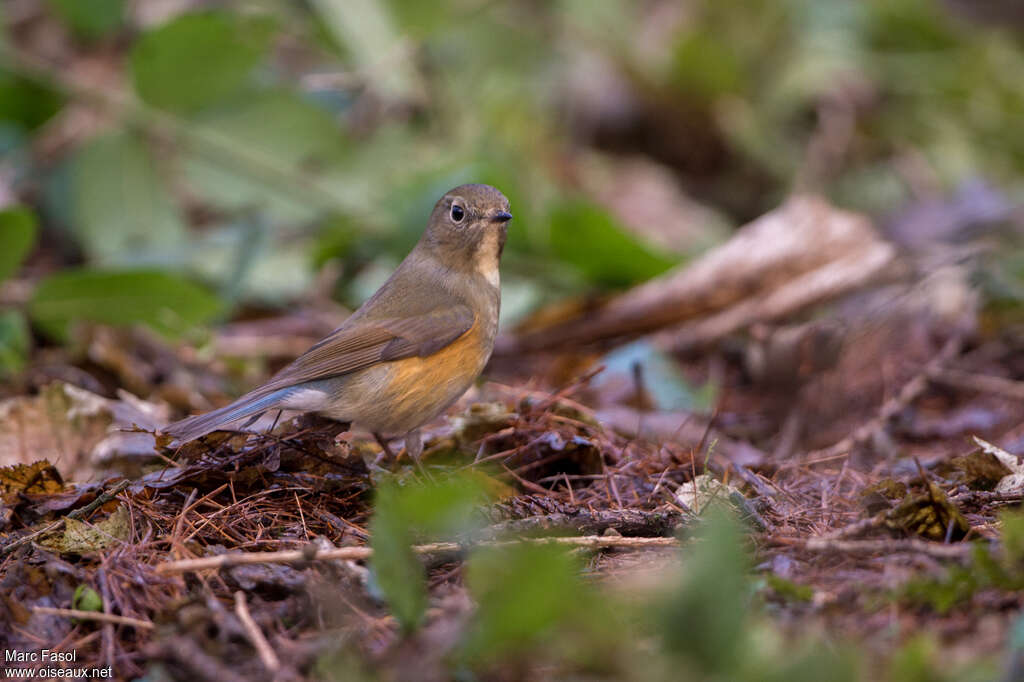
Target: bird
412, 349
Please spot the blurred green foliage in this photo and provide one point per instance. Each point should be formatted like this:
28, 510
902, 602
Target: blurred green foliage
18, 230
90, 19
25, 104
411, 513
586, 237
267, 138
525, 595
199, 59
122, 213
715, 593
959, 582
167, 303
534, 609
14, 342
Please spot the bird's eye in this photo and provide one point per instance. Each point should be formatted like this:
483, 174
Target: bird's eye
458, 213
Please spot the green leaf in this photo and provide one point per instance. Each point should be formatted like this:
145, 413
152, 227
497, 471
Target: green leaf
416, 512
275, 133
26, 103
167, 303
198, 59
86, 599
587, 237
80, 537
397, 570
17, 236
705, 67
90, 19
14, 342
704, 620
122, 212
522, 592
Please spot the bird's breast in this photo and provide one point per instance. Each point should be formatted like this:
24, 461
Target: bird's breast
396, 397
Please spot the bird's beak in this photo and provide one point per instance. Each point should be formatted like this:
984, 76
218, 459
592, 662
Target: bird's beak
501, 217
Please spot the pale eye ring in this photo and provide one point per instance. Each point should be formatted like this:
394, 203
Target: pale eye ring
458, 213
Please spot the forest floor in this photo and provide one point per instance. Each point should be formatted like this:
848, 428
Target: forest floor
862, 523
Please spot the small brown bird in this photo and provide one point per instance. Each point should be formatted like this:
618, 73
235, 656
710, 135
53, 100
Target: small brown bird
413, 347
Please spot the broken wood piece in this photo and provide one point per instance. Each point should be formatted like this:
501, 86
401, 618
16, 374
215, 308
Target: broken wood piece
359, 553
803, 253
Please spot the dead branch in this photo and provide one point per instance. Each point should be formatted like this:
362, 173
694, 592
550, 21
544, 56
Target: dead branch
828, 282
800, 254
362, 553
886, 546
982, 383
628, 522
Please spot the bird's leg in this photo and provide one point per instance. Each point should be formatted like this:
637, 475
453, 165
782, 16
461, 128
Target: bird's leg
385, 449
414, 446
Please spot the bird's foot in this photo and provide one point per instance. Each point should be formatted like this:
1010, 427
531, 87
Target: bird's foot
386, 453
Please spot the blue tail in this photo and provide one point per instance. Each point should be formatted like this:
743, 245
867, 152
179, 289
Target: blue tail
248, 405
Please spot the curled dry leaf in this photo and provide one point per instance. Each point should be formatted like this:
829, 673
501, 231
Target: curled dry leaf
766, 271
1013, 481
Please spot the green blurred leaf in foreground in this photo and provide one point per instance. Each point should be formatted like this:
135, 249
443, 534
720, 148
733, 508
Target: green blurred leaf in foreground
416, 512
122, 212
198, 59
90, 19
523, 592
167, 303
588, 238
705, 620
17, 236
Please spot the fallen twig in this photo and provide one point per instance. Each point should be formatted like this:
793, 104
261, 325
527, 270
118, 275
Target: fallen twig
960, 550
356, 553
908, 394
982, 383
269, 659
628, 522
856, 528
95, 615
972, 496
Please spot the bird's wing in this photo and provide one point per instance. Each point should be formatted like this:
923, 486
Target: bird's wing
362, 343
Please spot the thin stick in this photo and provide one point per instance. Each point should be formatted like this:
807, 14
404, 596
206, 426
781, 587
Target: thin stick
959, 550
982, 383
95, 615
360, 553
270, 660
907, 395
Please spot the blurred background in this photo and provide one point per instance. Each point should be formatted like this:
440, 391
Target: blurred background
791, 231
187, 162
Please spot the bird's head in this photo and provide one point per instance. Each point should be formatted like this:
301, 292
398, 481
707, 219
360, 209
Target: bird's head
467, 228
